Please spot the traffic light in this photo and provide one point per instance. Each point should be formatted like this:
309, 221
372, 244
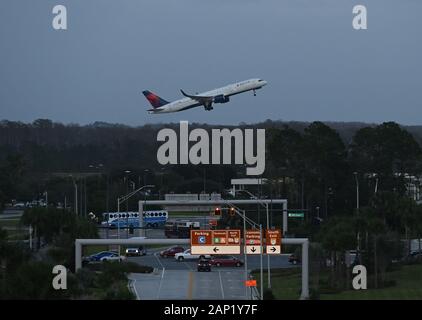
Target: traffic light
232, 211
217, 211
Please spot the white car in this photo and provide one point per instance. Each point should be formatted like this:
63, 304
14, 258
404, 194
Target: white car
113, 257
188, 256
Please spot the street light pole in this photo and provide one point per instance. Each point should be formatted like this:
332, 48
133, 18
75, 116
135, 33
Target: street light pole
85, 211
357, 212
268, 256
145, 182
76, 195
127, 197
205, 191
268, 227
118, 221
262, 272
76, 198
244, 251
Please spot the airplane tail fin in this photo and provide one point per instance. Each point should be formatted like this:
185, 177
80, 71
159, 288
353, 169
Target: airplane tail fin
154, 100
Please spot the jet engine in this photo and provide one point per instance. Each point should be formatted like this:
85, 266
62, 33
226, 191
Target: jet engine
221, 99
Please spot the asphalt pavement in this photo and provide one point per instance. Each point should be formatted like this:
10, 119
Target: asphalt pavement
190, 285
154, 260
174, 279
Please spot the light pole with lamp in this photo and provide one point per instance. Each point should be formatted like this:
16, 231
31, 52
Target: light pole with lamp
76, 194
161, 181
265, 205
357, 213
242, 213
146, 171
122, 199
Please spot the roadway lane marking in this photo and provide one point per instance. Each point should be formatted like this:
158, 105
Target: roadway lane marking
161, 283
221, 284
187, 265
190, 285
138, 297
161, 265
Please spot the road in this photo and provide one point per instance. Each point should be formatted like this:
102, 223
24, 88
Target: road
180, 280
154, 260
11, 214
190, 285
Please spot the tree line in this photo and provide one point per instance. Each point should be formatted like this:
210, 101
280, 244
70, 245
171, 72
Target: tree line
352, 180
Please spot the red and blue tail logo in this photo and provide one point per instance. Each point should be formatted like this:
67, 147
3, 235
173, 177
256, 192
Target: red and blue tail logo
155, 100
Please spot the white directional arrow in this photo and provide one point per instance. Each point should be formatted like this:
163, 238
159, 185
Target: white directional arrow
253, 249
273, 249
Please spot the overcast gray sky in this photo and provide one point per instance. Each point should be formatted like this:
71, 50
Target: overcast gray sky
317, 66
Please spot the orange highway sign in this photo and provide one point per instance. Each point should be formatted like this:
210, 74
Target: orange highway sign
214, 242
273, 241
250, 283
253, 242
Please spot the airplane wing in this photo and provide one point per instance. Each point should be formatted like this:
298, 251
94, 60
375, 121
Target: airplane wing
200, 99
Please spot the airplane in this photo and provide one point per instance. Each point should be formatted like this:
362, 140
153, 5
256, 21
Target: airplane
206, 99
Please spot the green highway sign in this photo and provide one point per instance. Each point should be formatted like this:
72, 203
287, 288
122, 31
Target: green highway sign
296, 214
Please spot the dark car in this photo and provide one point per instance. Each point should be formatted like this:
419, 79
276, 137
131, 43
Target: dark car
294, 259
413, 257
171, 252
204, 265
98, 256
136, 252
226, 261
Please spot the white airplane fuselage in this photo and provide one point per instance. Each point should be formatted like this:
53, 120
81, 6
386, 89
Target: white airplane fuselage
220, 95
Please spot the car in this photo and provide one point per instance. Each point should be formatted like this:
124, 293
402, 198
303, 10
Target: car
19, 205
135, 252
186, 255
98, 256
413, 257
204, 265
293, 259
226, 261
113, 257
171, 252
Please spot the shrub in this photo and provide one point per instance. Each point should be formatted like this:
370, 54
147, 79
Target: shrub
268, 294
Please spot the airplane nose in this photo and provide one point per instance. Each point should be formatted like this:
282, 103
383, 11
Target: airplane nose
264, 83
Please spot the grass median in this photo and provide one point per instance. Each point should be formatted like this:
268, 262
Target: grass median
286, 285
